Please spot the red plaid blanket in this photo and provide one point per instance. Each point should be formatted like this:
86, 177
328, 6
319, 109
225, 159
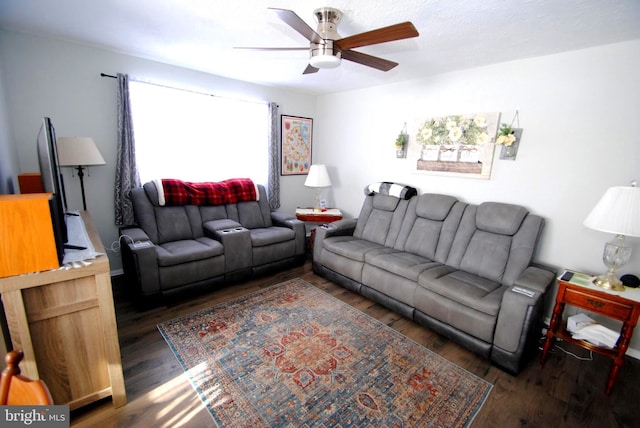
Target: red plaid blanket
178, 192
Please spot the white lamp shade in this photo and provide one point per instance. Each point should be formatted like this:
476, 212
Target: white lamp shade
617, 212
76, 151
318, 177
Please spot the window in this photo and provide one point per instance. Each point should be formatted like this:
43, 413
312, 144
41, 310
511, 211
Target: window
198, 137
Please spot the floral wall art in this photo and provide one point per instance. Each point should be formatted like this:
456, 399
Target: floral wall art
456, 145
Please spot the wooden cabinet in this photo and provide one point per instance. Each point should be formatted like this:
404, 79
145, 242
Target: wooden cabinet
65, 322
27, 243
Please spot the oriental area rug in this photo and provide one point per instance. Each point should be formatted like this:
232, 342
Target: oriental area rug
292, 355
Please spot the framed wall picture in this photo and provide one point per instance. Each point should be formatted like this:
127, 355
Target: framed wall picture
459, 145
295, 134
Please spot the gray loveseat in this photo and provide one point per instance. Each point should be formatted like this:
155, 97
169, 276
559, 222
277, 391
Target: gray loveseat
177, 249
462, 270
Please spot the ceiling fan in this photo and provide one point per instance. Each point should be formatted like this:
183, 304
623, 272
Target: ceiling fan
327, 48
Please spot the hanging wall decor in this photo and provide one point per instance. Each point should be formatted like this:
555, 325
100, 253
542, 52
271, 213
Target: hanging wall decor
509, 137
457, 145
295, 134
401, 143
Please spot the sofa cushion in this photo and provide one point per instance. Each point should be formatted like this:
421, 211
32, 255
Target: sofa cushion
375, 224
423, 238
454, 315
430, 225
385, 283
402, 263
184, 251
152, 193
173, 224
350, 247
385, 202
213, 212
504, 219
487, 255
251, 216
433, 206
270, 235
465, 288
380, 219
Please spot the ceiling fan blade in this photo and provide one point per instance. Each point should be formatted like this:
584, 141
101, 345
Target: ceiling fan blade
369, 60
404, 30
295, 22
249, 48
310, 69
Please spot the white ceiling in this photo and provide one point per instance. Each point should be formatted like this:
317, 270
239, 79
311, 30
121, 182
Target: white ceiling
201, 34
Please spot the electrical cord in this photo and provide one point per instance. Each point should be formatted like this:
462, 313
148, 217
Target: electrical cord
577, 357
115, 245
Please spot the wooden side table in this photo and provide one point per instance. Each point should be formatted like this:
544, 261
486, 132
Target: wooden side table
599, 302
308, 215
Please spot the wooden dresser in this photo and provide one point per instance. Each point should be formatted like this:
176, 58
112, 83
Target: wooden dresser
64, 321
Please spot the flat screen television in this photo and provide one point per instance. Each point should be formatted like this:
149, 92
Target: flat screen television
52, 182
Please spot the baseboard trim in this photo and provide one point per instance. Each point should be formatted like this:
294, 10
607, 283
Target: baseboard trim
634, 353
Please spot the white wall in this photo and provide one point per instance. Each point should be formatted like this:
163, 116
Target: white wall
579, 111
44, 77
8, 153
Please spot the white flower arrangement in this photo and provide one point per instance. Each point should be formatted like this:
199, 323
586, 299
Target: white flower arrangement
453, 130
506, 135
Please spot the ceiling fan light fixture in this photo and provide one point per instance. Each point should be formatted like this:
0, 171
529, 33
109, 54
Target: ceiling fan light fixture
324, 55
324, 61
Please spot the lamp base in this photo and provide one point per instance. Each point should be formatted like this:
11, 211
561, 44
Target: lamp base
608, 282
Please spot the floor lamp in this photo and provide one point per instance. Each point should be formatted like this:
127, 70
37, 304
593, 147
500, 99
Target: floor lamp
79, 152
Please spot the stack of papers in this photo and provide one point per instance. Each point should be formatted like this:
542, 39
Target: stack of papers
585, 328
578, 321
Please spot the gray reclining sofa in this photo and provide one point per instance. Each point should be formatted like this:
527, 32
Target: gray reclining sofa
177, 249
462, 270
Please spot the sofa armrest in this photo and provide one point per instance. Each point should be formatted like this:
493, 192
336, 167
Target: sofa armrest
133, 234
344, 227
535, 279
140, 262
281, 217
340, 228
237, 247
288, 220
521, 307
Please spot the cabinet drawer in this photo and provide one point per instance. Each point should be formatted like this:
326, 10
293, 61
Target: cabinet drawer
598, 304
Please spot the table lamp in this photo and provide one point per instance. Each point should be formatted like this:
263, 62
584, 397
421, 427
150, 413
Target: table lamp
617, 212
79, 152
318, 177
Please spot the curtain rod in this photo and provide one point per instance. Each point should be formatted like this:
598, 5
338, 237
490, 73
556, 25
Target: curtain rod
189, 90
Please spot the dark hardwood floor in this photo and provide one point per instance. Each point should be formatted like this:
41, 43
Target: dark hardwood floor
565, 393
